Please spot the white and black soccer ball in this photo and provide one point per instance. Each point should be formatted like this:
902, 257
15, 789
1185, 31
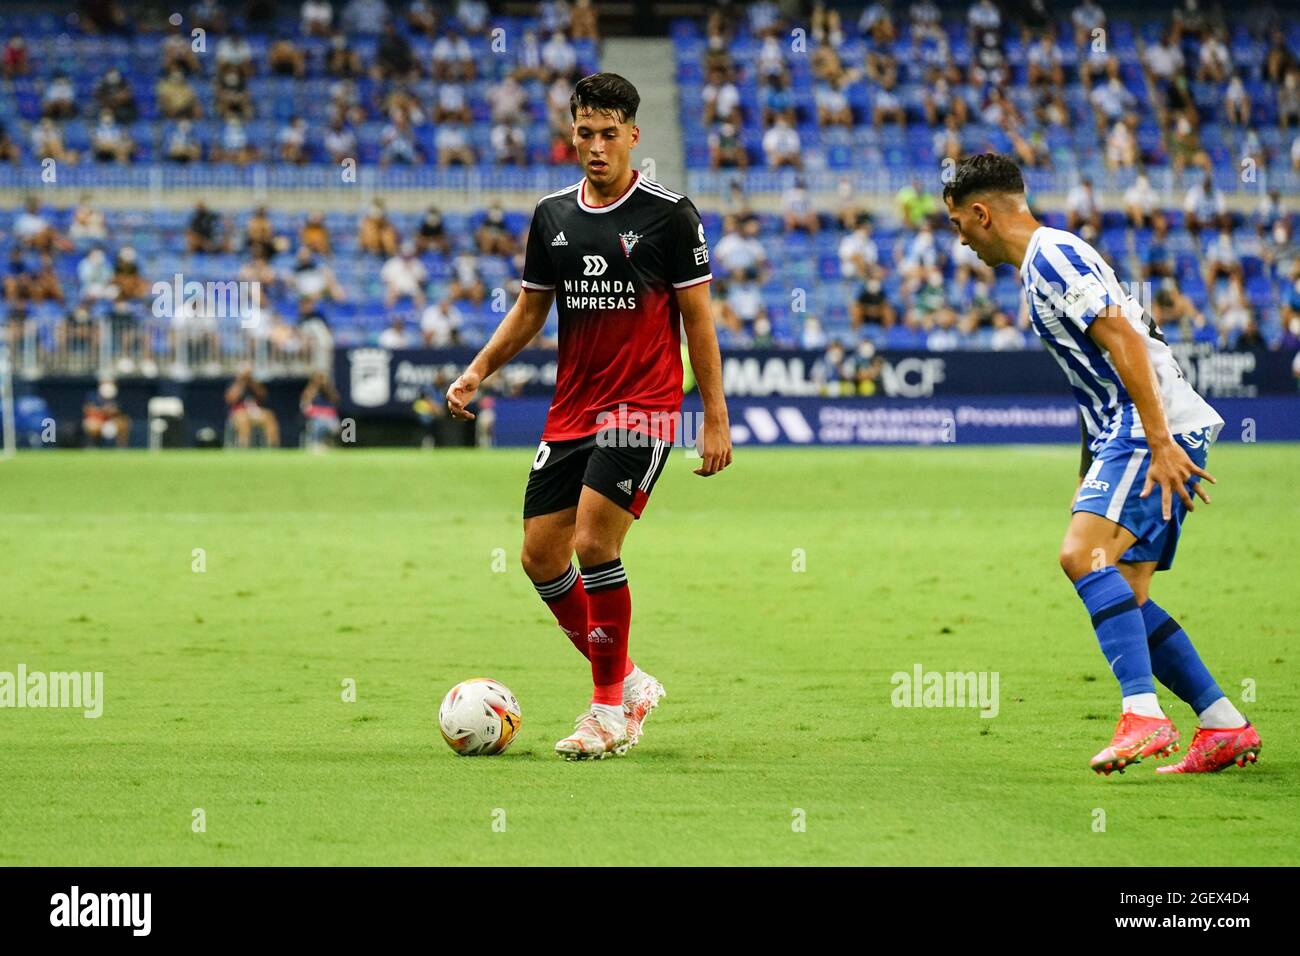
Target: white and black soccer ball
479, 717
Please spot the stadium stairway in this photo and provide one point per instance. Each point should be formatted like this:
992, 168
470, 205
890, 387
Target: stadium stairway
648, 64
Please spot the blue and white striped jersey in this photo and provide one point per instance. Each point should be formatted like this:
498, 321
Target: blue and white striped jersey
1068, 284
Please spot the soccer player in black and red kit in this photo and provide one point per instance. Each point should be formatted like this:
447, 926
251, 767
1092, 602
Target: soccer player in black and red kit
626, 262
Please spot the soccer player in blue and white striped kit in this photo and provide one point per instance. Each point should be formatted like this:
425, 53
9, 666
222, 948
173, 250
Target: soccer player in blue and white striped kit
1144, 428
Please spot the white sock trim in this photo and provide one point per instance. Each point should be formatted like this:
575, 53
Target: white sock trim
1221, 713
1144, 705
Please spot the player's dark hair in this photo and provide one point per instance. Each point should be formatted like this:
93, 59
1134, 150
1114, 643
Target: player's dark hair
605, 92
984, 173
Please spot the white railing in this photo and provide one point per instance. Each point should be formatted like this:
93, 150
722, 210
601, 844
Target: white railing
159, 348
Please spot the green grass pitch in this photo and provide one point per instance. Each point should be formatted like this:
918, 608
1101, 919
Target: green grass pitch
777, 744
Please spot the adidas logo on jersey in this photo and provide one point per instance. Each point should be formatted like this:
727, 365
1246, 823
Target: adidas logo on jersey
625, 486
560, 240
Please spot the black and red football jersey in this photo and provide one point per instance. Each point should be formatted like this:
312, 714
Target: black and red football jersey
615, 269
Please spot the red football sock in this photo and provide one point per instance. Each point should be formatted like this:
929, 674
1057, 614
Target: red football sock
609, 615
567, 599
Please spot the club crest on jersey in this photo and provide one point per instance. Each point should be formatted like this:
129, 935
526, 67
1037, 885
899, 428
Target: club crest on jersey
628, 239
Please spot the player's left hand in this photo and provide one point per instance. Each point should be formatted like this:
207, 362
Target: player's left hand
1170, 469
714, 446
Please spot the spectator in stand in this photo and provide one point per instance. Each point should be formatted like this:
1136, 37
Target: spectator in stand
797, 212
833, 105
474, 15
232, 96
404, 277
291, 142
1006, 337
234, 145
59, 99
721, 100
204, 232
317, 18
34, 231
888, 107
315, 236
1044, 62
113, 93
1236, 102
1087, 18
857, 251
87, 222
1173, 312
313, 283
176, 96
181, 145
915, 204
452, 60
110, 142
431, 235
396, 336
340, 143
782, 146
584, 23
9, 151
342, 62
1221, 259
453, 144
47, 143
95, 277
234, 50
260, 237
1111, 101
507, 100
131, 285
1232, 308
740, 249
466, 285
14, 62
286, 58
559, 58
492, 237
376, 234
394, 59
177, 53
1205, 206
727, 150
421, 18
1288, 100
1140, 201
509, 144
870, 306
246, 400
1121, 147
1082, 206
397, 142
1215, 60
440, 324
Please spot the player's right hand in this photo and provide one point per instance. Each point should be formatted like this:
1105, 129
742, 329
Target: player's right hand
461, 393
1170, 469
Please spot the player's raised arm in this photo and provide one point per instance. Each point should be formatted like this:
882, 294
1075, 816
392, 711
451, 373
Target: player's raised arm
1170, 466
520, 326
714, 441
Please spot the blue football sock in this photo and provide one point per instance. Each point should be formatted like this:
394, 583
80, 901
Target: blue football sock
1175, 662
1120, 629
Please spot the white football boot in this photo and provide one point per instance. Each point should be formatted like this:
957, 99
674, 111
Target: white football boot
641, 697
597, 734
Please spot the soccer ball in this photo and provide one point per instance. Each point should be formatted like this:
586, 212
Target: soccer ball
479, 717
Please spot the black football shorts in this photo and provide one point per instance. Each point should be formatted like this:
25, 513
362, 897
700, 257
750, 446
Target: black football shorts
621, 465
